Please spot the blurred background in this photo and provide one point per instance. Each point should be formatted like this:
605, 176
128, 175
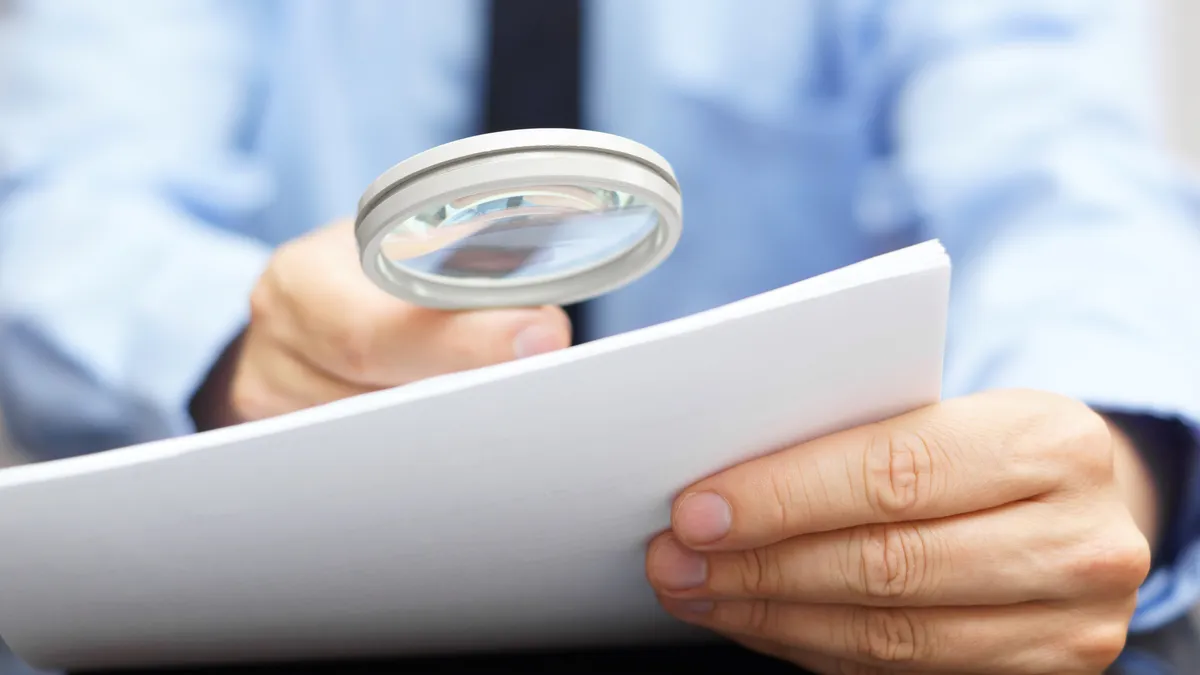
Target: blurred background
1178, 22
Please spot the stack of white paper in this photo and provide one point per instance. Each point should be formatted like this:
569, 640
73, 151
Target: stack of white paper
503, 508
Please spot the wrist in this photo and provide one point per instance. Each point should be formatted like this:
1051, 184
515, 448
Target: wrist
1152, 457
211, 406
1136, 485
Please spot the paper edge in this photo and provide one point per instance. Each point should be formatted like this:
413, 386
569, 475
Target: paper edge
912, 259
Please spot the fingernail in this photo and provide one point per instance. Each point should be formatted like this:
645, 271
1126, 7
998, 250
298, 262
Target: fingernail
702, 518
534, 340
675, 568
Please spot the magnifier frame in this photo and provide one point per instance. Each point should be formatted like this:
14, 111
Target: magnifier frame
518, 160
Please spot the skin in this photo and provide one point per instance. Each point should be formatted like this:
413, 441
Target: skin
1005, 532
321, 331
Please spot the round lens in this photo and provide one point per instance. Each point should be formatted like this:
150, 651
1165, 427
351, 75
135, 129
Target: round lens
520, 236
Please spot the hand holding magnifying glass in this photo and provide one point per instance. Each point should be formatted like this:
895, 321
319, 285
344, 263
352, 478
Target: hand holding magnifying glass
469, 251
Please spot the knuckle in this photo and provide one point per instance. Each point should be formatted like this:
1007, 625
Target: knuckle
898, 472
1112, 565
1090, 439
1126, 608
788, 499
261, 302
761, 572
761, 618
1130, 563
1078, 437
890, 562
265, 297
251, 399
354, 344
1096, 647
888, 636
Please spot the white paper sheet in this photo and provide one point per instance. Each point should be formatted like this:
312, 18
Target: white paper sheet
503, 508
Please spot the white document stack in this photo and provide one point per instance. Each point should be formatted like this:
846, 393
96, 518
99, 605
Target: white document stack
503, 508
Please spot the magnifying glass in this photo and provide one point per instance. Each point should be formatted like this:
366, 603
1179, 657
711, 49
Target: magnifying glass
519, 219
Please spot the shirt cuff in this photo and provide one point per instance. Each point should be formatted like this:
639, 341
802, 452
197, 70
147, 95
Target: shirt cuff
1173, 588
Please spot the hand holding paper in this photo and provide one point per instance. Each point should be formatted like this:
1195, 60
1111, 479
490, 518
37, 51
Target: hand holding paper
984, 534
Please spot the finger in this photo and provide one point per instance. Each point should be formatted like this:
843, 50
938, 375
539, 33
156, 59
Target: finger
272, 380
415, 344
811, 662
1014, 554
1012, 639
965, 455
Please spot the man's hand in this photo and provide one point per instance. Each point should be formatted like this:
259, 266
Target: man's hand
321, 331
988, 534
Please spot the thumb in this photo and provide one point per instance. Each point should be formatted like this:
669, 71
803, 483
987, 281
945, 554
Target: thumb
548, 332
432, 342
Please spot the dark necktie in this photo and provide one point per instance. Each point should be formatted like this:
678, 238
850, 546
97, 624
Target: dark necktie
534, 76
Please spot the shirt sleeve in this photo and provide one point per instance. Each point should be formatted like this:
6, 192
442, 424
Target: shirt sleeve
124, 182
1026, 135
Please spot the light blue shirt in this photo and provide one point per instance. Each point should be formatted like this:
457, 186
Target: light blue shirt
155, 151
